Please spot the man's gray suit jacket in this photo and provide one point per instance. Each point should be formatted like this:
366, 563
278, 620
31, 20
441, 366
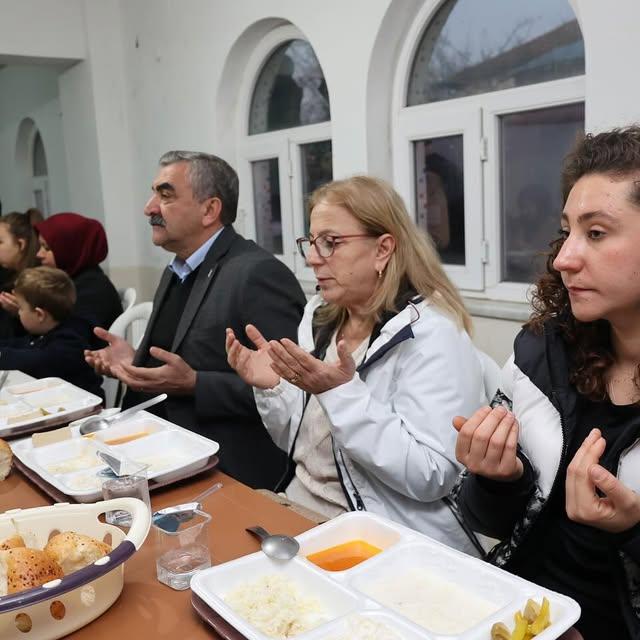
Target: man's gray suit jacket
238, 283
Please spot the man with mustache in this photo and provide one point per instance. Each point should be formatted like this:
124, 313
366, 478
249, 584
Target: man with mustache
217, 279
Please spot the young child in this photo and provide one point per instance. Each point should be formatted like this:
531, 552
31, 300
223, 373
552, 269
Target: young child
18, 248
55, 342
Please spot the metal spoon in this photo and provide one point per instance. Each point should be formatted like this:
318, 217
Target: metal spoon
277, 546
170, 518
98, 424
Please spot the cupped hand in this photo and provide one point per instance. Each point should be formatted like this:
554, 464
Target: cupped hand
118, 352
307, 372
252, 365
617, 510
174, 377
9, 303
487, 444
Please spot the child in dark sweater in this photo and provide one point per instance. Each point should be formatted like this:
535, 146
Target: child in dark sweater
56, 341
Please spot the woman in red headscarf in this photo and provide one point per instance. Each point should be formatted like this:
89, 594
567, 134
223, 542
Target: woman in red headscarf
78, 245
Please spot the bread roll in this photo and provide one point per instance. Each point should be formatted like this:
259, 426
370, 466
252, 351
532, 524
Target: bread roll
73, 551
12, 543
23, 568
6, 456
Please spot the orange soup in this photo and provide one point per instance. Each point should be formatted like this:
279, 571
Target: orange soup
343, 556
128, 438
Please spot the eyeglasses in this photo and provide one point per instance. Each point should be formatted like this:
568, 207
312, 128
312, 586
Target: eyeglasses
325, 244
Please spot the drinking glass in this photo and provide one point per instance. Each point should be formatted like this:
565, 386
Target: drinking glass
133, 485
182, 548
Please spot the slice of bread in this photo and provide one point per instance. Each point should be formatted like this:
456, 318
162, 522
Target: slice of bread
6, 457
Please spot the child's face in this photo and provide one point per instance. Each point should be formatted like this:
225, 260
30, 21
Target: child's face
10, 249
29, 317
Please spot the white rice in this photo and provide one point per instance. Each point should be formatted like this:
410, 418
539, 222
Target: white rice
361, 628
276, 607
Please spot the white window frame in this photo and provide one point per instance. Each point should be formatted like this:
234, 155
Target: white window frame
266, 148
285, 145
299, 137
462, 119
477, 118
540, 96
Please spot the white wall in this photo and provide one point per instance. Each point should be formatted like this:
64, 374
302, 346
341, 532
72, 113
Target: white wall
81, 144
184, 72
162, 75
611, 49
175, 70
96, 95
75, 91
48, 29
28, 91
495, 337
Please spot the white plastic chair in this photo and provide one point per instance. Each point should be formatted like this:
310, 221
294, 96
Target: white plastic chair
128, 297
491, 374
130, 325
132, 322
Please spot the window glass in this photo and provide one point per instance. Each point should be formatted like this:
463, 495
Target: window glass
316, 170
473, 47
532, 147
266, 197
439, 196
39, 157
290, 90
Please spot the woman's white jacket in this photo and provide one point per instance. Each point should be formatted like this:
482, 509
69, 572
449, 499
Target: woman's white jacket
391, 423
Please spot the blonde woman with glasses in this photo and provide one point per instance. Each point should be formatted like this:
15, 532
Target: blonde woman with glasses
363, 404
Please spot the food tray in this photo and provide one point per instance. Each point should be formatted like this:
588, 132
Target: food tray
355, 594
70, 467
222, 627
61, 401
84, 594
60, 496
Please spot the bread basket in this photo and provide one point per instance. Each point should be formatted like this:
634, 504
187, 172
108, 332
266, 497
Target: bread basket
61, 606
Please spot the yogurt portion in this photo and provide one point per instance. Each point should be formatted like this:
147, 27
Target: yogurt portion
430, 601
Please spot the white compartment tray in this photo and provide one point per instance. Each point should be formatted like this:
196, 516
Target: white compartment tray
348, 597
71, 466
40, 404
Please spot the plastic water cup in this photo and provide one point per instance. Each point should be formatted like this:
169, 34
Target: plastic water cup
134, 485
182, 549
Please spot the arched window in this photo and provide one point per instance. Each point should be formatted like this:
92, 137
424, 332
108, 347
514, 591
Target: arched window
39, 157
32, 167
40, 184
286, 145
492, 100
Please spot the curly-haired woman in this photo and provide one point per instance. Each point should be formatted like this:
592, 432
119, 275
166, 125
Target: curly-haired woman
557, 477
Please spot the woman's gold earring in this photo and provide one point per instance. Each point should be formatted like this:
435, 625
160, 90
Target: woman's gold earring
379, 274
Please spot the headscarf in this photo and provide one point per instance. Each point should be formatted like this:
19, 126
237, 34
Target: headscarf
78, 243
